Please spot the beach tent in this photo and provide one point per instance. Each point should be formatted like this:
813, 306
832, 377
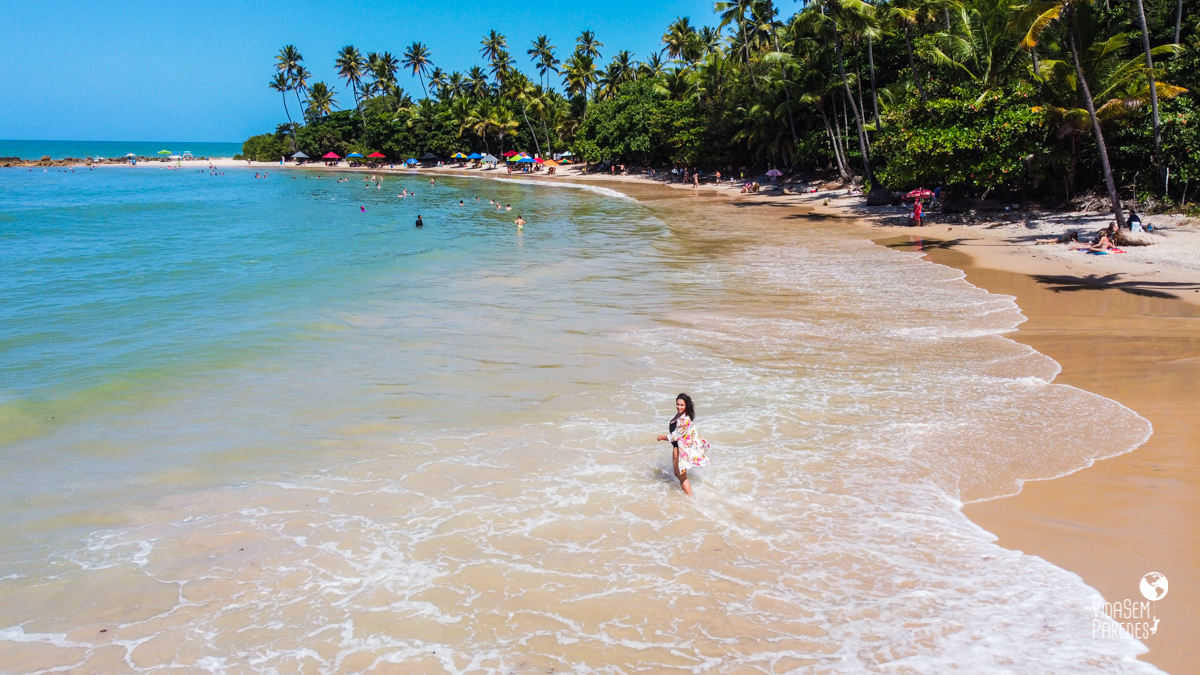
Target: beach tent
375, 155
331, 155
474, 155
539, 160
299, 155
525, 160
491, 159
429, 157
549, 162
568, 153
353, 154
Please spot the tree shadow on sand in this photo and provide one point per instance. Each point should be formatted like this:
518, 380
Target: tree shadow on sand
1067, 283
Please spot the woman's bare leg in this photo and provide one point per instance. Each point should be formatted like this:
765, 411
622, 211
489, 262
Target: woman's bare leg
685, 483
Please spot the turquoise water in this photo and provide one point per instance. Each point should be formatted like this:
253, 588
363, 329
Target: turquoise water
250, 427
97, 149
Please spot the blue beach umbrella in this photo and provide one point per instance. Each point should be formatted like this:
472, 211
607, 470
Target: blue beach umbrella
411, 160
474, 155
525, 160
354, 154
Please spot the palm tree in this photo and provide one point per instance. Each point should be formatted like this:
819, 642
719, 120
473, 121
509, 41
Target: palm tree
681, 41
542, 54
288, 61
416, 59
455, 87
503, 123
321, 101
651, 67
437, 82
350, 66
587, 44
522, 91
477, 83
383, 69
493, 44
300, 83
580, 74
501, 65
1068, 10
735, 12
282, 84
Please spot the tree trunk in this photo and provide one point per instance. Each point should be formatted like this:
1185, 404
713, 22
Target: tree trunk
837, 155
546, 129
862, 135
946, 12
1091, 108
291, 127
537, 146
1178, 18
1158, 158
787, 92
912, 64
874, 95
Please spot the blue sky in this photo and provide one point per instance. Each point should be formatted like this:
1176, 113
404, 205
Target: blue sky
198, 71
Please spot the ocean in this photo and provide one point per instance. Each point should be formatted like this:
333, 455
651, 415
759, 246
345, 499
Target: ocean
266, 425
108, 149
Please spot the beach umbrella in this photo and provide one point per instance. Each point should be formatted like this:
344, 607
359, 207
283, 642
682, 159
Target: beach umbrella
474, 155
331, 155
510, 153
773, 173
411, 160
549, 162
164, 152
567, 154
131, 155
458, 155
299, 155
353, 154
539, 160
919, 193
375, 155
490, 158
429, 157
525, 160
514, 158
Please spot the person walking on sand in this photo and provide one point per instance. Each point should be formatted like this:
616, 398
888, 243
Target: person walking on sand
695, 180
688, 448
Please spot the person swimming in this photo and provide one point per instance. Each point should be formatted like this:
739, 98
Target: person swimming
420, 223
362, 209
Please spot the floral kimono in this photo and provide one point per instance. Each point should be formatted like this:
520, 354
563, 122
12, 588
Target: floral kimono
693, 450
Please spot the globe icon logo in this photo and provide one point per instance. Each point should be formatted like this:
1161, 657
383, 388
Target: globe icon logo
1154, 586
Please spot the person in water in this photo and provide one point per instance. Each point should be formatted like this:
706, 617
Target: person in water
520, 222
688, 448
420, 223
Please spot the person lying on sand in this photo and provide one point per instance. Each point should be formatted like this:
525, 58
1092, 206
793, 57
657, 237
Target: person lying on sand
1102, 244
1065, 239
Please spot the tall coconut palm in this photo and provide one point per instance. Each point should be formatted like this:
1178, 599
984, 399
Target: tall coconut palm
351, 67
282, 84
477, 83
734, 12
289, 61
502, 63
588, 45
300, 84
456, 86
437, 82
383, 69
321, 101
416, 59
579, 74
542, 55
492, 44
521, 91
1068, 10
680, 41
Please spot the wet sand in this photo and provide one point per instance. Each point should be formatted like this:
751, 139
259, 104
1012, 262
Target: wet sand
1134, 513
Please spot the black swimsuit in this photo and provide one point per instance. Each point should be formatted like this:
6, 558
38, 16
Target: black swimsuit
671, 429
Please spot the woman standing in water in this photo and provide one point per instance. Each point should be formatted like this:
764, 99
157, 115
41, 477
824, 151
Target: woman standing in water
688, 448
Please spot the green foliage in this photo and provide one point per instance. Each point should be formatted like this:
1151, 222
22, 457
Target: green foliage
956, 141
266, 147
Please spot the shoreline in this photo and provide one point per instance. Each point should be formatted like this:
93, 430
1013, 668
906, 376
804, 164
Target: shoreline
1116, 327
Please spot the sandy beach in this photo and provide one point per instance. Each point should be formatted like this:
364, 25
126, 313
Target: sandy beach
1124, 326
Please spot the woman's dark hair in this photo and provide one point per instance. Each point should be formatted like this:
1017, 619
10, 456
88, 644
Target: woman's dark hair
688, 408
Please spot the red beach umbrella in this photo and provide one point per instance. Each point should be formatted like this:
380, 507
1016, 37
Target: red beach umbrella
331, 155
539, 160
510, 153
919, 193
375, 154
